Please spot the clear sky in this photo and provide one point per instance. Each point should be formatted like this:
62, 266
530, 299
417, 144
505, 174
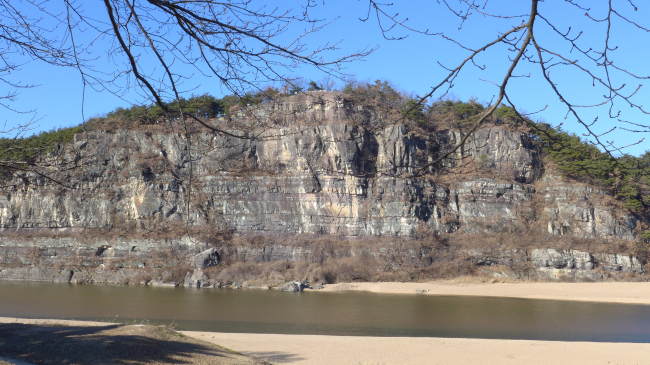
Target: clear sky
414, 64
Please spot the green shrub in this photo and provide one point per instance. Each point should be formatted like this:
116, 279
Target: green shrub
25, 150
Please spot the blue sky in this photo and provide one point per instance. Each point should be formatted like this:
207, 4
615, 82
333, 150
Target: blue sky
412, 63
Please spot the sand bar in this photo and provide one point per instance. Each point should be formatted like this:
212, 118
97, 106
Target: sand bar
327, 350
357, 350
611, 292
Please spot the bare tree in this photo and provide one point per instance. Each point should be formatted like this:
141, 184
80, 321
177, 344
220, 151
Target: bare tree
26, 35
155, 47
576, 53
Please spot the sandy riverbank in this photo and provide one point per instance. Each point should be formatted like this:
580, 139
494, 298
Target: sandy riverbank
340, 350
614, 292
355, 350
29, 341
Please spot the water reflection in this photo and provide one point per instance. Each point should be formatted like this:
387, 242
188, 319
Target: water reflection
260, 311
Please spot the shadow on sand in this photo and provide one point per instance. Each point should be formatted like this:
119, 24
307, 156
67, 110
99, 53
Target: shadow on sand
110, 344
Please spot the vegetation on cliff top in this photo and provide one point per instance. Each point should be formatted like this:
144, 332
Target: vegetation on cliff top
29, 148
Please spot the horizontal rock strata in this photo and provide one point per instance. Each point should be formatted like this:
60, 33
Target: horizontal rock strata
184, 261
326, 167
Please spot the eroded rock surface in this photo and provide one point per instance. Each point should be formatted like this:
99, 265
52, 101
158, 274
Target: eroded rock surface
331, 179
327, 167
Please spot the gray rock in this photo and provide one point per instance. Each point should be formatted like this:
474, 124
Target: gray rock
560, 259
206, 259
584, 211
580, 260
548, 258
294, 286
549, 273
196, 279
298, 186
619, 262
318, 177
489, 257
188, 280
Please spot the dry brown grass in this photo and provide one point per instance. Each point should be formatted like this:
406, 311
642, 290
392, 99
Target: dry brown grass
331, 260
176, 274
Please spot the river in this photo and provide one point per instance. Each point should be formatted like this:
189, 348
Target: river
330, 313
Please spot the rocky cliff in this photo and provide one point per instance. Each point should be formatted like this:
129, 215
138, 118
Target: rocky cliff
314, 164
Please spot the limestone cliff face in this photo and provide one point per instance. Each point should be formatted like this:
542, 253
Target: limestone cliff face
332, 176
325, 166
582, 211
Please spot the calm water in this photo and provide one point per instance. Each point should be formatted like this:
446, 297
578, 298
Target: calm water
363, 314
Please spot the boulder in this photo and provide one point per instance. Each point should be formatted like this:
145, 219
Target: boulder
295, 286
206, 259
197, 278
